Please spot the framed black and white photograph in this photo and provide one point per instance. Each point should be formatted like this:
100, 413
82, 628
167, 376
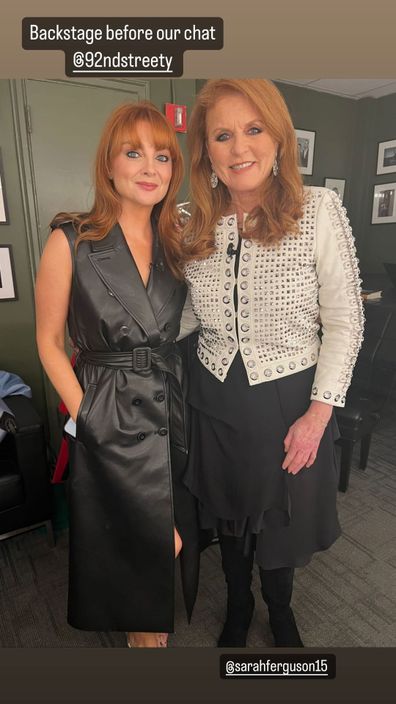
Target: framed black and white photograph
305, 150
337, 185
3, 201
386, 162
384, 204
7, 278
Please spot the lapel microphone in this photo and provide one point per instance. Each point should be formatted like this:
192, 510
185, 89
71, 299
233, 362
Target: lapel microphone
231, 252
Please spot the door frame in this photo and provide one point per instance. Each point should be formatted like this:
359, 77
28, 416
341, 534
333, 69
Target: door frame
22, 130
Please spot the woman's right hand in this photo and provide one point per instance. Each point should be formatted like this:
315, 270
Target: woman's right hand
303, 438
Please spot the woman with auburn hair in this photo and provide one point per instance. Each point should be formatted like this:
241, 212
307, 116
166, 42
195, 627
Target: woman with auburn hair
267, 259
114, 275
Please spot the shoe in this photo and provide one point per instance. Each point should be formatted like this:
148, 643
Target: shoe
236, 627
161, 641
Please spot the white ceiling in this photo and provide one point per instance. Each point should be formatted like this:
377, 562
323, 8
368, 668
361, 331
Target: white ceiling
348, 87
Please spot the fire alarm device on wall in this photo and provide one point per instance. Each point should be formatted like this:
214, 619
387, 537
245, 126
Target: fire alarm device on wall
177, 114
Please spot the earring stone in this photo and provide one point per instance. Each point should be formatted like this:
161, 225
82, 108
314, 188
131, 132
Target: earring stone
213, 180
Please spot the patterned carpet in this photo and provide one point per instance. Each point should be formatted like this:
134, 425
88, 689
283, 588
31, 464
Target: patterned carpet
345, 597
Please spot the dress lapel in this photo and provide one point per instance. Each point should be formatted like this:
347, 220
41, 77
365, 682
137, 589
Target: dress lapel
114, 264
162, 283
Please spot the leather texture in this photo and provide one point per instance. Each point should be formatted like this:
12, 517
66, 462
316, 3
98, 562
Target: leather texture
120, 490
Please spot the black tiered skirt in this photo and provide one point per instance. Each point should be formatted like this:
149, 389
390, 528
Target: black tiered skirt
235, 466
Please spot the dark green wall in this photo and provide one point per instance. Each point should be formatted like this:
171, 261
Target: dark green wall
377, 243
183, 93
17, 335
334, 120
347, 136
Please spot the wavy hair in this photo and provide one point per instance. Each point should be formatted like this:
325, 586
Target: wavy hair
282, 196
123, 126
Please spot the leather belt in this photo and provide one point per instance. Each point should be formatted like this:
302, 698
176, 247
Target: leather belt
141, 359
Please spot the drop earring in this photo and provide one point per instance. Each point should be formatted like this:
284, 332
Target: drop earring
213, 180
275, 166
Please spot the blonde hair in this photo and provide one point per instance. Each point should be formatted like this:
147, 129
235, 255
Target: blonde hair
123, 126
282, 196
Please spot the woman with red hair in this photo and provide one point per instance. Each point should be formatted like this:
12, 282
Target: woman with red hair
113, 275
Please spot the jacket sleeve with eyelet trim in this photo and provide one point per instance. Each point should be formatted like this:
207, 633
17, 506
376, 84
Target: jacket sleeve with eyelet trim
189, 322
340, 302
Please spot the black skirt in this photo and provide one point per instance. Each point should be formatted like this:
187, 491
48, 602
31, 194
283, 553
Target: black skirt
235, 465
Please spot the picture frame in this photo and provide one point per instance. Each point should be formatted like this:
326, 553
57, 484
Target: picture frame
305, 150
384, 204
386, 159
337, 185
4, 219
8, 290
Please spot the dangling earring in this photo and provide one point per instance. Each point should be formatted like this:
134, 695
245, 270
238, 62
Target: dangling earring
213, 180
275, 166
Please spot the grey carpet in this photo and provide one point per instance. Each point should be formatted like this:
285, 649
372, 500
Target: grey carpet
345, 597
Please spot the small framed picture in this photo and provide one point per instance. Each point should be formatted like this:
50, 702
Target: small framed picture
384, 204
337, 185
3, 201
305, 150
386, 162
7, 278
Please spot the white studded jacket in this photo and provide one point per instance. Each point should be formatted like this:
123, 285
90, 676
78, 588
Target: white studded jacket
284, 293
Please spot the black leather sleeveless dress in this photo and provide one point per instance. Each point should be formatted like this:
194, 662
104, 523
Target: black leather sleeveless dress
125, 491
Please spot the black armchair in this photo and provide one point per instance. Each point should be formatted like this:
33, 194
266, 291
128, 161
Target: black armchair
25, 490
372, 383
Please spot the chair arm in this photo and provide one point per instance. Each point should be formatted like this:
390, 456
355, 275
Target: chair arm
30, 446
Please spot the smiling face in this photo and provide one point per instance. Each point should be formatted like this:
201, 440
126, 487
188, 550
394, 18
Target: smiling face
240, 149
141, 173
